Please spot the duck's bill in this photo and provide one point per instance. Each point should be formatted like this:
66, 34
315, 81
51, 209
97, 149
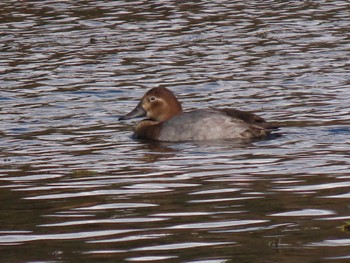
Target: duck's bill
137, 112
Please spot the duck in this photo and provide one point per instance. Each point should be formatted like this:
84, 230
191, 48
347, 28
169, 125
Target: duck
166, 121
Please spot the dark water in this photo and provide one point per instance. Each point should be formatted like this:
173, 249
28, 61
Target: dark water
74, 185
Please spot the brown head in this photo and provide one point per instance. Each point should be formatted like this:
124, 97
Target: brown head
158, 104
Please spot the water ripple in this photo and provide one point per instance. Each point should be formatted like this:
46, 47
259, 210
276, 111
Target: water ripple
71, 174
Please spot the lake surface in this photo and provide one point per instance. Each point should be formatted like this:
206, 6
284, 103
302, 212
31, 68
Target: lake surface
76, 187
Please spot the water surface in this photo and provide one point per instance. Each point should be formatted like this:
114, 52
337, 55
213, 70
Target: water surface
76, 187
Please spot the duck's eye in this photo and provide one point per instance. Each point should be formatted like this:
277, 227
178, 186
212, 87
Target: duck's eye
152, 98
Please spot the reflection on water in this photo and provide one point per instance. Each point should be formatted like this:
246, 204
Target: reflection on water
75, 186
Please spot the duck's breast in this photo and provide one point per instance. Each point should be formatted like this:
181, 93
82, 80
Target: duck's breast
204, 125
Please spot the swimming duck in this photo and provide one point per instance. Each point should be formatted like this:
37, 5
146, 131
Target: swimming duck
167, 122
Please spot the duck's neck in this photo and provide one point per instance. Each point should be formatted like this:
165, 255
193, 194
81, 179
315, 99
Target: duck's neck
148, 129
174, 109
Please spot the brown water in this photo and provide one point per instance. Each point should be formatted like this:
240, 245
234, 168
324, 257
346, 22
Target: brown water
76, 187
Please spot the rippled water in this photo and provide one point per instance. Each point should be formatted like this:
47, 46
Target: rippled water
76, 187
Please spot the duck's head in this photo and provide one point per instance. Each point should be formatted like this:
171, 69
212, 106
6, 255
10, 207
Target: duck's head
158, 104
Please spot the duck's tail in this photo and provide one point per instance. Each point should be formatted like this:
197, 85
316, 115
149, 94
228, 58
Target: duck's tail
251, 118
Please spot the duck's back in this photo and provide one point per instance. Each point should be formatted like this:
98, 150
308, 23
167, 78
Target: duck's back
208, 124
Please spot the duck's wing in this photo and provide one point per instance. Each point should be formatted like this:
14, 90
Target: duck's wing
249, 117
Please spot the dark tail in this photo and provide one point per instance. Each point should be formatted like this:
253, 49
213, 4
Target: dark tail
250, 118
